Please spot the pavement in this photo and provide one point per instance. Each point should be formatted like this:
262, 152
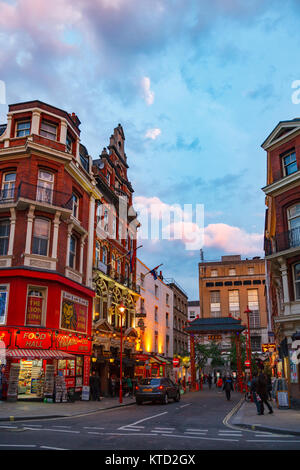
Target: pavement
22, 410
282, 421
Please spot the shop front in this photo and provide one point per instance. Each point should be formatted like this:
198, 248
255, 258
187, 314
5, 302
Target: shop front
44, 364
152, 366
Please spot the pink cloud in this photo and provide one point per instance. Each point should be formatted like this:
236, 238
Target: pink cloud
231, 239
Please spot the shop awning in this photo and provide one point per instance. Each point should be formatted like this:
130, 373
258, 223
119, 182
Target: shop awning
38, 354
159, 360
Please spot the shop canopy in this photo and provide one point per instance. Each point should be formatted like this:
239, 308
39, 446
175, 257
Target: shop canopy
38, 354
159, 360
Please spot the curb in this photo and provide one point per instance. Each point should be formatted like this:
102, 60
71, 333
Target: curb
254, 427
32, 418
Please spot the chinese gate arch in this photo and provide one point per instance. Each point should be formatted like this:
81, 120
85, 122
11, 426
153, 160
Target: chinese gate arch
204, 326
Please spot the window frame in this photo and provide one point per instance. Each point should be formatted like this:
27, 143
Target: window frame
72, 253
296, 282
47, 132
7, 288
2, 221
22, 121
44, 291
285, 166
41, 191
48, 237
11, 185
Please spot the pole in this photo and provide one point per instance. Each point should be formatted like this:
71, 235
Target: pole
121, 359
193, 369
249, 344
239, 362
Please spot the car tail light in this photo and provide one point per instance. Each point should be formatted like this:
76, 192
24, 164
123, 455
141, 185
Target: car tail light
161, 387
136, 387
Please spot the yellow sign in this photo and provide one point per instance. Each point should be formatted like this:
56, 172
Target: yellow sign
269, 347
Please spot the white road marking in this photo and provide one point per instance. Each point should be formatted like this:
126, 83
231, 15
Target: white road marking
192, 429
92, 427
183, 406
51, 429
269, 440
144, 419
165, 429
9, 427
162, 432
52, 448
201, 437
17, 445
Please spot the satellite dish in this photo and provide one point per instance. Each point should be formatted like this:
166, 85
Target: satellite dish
100, 164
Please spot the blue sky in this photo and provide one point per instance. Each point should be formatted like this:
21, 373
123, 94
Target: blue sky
196, 85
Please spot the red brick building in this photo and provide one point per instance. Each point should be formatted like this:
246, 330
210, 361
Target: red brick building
282, 243
47, 212
114, 272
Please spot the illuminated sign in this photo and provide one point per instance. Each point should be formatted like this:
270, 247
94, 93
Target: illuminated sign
74, 313
34, 340
269, 347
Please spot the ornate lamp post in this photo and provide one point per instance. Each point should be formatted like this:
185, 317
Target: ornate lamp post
122, 309
249, 352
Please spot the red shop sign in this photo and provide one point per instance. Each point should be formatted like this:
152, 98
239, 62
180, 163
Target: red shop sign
73, 344
34, 340
86, 370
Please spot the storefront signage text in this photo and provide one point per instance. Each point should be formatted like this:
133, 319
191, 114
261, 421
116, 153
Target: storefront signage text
73, 344
33, 339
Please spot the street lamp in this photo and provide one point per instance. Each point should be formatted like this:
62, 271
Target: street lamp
249, 352
122, 309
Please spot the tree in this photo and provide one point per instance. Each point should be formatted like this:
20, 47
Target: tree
212, 351
202, 352
215, 355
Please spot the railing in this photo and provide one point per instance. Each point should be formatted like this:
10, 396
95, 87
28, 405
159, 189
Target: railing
36, 193
283, 241
108, 270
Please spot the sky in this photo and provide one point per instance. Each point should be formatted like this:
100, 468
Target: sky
197, 86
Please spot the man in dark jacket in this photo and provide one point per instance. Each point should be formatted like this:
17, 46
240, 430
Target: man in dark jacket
254, 393
262, 390
228, 387
95, 386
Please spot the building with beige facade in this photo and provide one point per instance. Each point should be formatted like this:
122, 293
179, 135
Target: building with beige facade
227, 287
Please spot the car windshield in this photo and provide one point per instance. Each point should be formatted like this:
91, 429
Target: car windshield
150, 382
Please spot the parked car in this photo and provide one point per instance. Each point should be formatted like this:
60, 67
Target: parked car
156, 389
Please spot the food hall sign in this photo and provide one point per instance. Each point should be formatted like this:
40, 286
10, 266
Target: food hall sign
33, 339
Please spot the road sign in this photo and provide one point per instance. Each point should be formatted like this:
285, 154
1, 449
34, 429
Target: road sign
247, 363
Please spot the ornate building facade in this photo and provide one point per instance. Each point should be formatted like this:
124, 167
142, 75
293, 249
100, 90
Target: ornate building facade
114, 264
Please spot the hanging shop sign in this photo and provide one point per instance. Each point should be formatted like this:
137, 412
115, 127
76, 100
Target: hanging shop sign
74, 313
34, 311
33, 339
269, 347
86, 370
72, 344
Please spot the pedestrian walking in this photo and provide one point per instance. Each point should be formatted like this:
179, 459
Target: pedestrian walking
129, 385
219, 383
228, 387
262, 391
1, 381
113, 385
95, 386
269, 387
209, 381
253, 390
